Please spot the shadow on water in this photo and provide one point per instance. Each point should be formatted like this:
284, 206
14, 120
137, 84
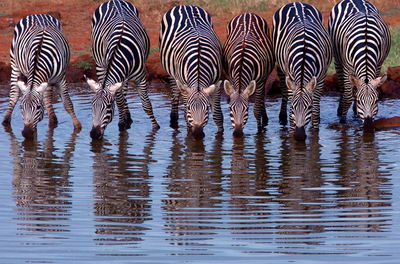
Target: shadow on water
41, 183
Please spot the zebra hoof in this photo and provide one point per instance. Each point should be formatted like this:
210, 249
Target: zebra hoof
156, 126
128, 120
173, 124
53, 123
122, 126
6, 122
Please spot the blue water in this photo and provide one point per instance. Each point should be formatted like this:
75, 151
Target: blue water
160, 197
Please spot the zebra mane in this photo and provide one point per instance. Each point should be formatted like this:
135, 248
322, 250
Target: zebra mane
114, 51
36, 59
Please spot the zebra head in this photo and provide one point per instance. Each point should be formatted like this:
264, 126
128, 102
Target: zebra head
239, 105
102, 107
366, 96
197, 102
32, 106
301, 106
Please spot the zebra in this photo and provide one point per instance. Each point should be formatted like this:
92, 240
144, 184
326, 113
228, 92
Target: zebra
248, 60
192, 56
39, 56
303, 51
120, 47
361, 43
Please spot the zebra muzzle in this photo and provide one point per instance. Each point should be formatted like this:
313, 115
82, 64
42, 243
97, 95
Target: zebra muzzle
96, 133
368, 125
238, 131
28, 132
197, 132
300, 134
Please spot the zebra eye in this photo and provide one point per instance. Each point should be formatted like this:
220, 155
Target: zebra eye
38, 107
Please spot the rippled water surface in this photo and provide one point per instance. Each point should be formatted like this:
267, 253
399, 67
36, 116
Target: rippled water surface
160, 197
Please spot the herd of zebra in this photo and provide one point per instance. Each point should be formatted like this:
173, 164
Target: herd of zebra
194, 58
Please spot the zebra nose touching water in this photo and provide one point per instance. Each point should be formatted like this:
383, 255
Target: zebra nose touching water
248, 61
191, 55
361, 43
120, 48
303, 52
39, 57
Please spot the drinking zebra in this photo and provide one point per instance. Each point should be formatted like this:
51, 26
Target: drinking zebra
303, 52
120, 48
361, 43
248, 61
191, 54
39, 57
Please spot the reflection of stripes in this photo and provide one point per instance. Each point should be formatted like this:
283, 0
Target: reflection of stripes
361, 42
191, 55
120, 48
248, 56
303, 52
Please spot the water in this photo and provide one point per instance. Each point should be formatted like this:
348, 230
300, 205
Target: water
160, 197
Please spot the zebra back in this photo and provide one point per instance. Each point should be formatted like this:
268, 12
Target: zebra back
360, 37
120, 43
301, 44
189, 47
248, 51
39, 50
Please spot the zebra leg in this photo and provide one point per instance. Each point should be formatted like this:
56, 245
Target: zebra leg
14, 95
48, 98
315, 116
216, 109
285, 94
346, 99
259, 108
144, 96
125, 120
175, 103
69, 107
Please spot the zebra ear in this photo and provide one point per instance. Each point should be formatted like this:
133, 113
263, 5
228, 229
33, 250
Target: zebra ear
115, 88
92, 84
22, 86
355, 81
250, 89
211, 89
311, 84
289, 83
41, 88
378, 81
228, 88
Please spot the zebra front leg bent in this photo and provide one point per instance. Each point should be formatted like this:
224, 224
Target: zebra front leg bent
14, 95
48, 98
69, 107
284, 90
125, 120
216, 108
260, 112
174, 104
144, 96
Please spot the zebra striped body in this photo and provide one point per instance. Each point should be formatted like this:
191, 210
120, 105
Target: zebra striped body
303, 52
39, 57
120, 48
191, 54
361, 42
248, 61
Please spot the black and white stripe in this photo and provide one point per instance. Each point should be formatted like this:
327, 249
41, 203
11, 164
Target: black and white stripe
303, 52
120, 48
191, 54
361, 43
39, 57
248, 61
